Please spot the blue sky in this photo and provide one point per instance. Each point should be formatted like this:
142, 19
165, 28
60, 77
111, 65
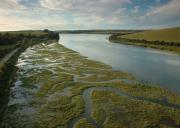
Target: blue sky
88, 14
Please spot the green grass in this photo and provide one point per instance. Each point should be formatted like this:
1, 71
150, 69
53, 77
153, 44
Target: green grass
107, 76
167, 35
59, 111
83, 123
163, 39
143, 90
111, 111
16, 33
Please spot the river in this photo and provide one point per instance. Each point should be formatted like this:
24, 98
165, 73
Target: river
147, 65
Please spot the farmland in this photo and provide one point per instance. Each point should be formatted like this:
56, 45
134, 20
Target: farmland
164, 39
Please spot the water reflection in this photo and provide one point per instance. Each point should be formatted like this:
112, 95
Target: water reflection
148, 65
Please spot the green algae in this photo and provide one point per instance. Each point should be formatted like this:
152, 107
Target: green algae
83, 123
124, 112
59, 111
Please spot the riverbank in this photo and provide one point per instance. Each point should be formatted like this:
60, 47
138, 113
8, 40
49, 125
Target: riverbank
57, 87
108, 31
7, 76
9, 56
163, 39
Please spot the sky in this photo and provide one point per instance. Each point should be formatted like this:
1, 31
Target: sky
88, 14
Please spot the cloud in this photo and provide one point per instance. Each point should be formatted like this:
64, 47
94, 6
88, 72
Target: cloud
135, 9
168, 11
10, 5
75, 6
64, 14
87, 14
15, 23
161, 15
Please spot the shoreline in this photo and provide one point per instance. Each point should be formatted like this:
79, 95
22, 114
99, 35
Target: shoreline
145, 44
8, 69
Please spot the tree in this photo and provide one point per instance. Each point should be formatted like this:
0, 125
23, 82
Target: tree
46, 31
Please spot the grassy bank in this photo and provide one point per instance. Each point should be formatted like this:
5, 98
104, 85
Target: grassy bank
164, 39
21, 40
7, 76
12, 44
12, 40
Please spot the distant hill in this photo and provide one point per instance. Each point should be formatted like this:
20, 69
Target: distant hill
99, 31
164, 39
167, 35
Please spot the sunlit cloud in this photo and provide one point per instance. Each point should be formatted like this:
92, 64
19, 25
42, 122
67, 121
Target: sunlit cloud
88, 14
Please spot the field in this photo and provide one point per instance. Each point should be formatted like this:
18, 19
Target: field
164, 39
166, 35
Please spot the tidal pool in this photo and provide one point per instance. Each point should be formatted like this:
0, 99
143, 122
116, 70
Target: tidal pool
147, 65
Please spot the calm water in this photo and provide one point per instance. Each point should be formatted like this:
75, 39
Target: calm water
148, 65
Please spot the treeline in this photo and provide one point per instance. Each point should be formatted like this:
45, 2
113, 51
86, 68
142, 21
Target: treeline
12, 40
164, 43
98, 31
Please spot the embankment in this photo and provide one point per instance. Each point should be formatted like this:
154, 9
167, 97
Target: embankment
9, 57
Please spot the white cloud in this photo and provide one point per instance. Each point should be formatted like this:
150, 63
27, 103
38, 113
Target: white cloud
83, 14
135, 9
89, 12
120, 11
165, 12
10, 4
161, 15
80, 5
25, 20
